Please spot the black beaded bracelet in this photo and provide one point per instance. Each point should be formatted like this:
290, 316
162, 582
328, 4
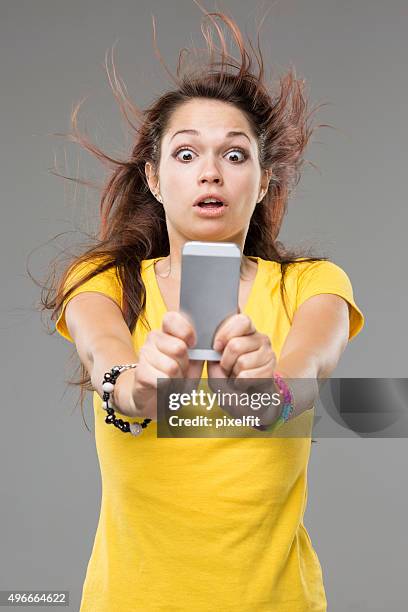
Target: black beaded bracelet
109, 381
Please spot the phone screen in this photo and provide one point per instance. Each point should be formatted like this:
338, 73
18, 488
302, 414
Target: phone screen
210, 274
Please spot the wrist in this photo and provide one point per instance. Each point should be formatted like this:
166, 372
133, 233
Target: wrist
270, 412
281, 412
108, 385
122, 396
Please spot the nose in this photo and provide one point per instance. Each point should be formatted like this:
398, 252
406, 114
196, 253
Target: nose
210, 174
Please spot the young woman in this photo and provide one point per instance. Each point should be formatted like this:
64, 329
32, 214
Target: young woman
215, 523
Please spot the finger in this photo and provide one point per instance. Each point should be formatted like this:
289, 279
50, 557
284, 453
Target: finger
254, 359
228, 395
148, 383
215, 370
261, 377
179, 325
236, 347
251, 361
172, 347
218, 382
165, 364
193, 376
236, 325
147, 378
221, 326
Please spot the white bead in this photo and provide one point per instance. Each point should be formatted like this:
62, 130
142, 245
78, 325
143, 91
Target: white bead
107, 386
106, 404
135, 429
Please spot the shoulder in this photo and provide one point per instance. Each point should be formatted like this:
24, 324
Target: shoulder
322, 272
93, 275
102, 270
327, 277
300, 268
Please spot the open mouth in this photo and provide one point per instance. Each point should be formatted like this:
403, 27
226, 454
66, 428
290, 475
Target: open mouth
210, 204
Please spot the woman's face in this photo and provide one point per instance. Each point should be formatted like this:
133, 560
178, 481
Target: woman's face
210, 161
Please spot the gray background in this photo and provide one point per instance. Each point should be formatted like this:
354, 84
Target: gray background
353, 54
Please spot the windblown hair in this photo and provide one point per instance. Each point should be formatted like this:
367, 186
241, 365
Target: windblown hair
132, 222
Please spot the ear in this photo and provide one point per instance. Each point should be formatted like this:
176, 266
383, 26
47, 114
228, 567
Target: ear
265, 179
152, 179
266, 176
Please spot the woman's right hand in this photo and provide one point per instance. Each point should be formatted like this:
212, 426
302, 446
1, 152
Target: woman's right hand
164, 355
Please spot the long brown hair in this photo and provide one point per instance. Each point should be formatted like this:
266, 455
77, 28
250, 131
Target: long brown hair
132, 222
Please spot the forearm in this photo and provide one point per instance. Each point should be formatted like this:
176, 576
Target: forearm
106, 353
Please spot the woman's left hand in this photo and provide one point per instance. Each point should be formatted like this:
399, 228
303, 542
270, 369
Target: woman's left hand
246, 353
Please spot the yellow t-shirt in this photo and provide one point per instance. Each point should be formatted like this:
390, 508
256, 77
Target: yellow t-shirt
208, 524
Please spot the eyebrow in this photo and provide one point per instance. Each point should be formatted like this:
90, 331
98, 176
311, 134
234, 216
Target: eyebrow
197, 133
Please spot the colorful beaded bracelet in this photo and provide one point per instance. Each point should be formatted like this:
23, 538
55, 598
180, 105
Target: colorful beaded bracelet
287, 409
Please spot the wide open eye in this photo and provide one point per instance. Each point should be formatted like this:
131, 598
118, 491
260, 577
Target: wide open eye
180, 151
232, 151
241, 151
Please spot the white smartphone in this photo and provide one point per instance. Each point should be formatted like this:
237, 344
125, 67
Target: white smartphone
209, 289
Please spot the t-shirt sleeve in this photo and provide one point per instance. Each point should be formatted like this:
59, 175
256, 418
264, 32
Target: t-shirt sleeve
107, 282
327, 277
